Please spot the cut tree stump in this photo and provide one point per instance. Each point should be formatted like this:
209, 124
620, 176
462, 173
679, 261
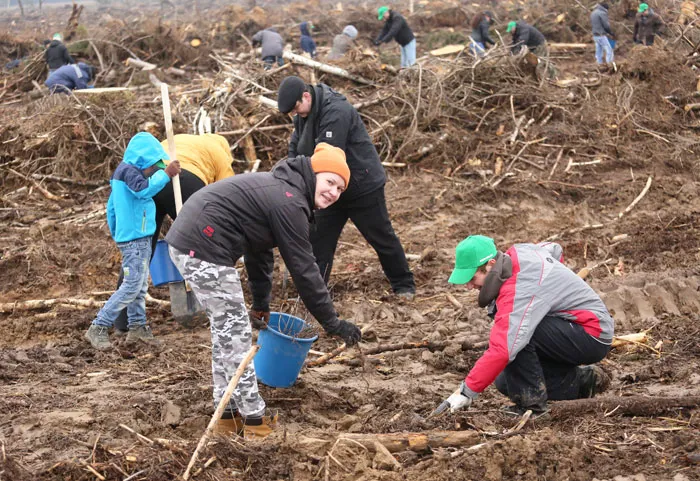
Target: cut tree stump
395, 442
630, 406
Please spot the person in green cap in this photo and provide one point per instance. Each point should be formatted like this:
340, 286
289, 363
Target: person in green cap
525, 35
548, 322
396, 28
646, 25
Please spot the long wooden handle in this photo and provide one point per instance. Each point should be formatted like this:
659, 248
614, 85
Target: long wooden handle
171, 143
220, 408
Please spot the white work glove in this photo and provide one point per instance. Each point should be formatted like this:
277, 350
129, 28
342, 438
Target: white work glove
462, 398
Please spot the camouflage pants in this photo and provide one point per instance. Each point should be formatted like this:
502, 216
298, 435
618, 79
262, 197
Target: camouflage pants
218, 290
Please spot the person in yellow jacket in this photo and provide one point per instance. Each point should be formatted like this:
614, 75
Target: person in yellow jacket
204, 159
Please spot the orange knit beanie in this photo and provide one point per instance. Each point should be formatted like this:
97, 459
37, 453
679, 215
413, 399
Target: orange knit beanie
328, 158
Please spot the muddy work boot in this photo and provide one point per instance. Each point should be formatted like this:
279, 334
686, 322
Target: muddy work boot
593, 381
405, 295
230, 423
98, 337
140, 333
259, 427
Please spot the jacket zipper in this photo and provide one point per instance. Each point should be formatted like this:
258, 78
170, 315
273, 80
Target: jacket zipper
143, 222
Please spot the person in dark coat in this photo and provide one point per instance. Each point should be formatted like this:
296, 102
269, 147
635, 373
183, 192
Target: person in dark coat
324, 115
70, 77
646, 25
248, 215
307, 43
56, 54
480, 33
396, 28
272, 46
525, 35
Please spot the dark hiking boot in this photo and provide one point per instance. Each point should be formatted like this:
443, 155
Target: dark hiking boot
230, 423
518, 412
593, 381
98, 337
119, 332
141, 333
259, 427
406, 295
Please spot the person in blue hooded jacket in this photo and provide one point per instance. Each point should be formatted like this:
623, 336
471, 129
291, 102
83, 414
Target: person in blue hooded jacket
307, 43
131, 217
69, 77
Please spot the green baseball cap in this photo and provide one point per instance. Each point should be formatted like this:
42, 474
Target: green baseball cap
472, 253
643, 7
511, 27
160, 164
381, 11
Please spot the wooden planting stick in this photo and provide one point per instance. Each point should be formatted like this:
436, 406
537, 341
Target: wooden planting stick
171, 144
220, 408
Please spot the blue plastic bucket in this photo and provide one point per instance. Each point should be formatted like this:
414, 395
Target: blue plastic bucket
281, 355
612, 43
163, 271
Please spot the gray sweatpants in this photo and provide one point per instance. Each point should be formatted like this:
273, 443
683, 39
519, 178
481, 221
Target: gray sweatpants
218, 290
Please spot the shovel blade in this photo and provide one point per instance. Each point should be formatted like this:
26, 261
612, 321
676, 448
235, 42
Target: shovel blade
184, 305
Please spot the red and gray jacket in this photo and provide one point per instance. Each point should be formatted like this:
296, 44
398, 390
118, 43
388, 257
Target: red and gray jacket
539, 286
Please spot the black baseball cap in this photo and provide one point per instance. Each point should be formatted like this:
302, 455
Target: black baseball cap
290, 92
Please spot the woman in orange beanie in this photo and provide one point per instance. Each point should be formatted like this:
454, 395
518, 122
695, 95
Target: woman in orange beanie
249, 215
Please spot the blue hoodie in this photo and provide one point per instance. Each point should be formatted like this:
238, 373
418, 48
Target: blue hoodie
131, 212
307, 43
69, 77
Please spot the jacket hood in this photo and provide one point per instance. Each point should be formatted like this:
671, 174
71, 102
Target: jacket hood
350, 31
54, 43
297, 172
144, 150
601, 7
304, 27
86, 69
271, 29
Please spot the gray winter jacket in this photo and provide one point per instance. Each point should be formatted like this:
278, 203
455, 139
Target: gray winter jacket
272, 42
599, 22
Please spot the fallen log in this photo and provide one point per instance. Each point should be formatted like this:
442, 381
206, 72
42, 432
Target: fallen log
140, 64
630, 406
292, 57
327, 357
396, 442
568, 47
35, 304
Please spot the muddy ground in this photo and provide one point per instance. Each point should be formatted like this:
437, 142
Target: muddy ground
64, 405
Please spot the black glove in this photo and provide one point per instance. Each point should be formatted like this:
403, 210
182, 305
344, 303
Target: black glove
376, 43
259, 319
345, 330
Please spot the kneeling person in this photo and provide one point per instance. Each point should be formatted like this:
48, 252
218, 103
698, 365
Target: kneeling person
547, 323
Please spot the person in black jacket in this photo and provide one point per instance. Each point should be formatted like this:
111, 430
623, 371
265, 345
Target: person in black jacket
396, 28
248, 215
56, 54
525, 35
324, 115
480, 33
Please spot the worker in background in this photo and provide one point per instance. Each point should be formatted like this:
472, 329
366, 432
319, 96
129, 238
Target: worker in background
600, 25
248, 215
272, 46
646, 25
204, 159
307, 43
324, 115
549, 326
480, 38
56, 54
526, 36
70, 77
342, 42
396, 28
131, 220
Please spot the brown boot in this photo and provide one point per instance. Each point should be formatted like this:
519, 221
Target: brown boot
259, 428
229, 427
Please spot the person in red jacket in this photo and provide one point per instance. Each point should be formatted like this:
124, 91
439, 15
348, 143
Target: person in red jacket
549, 326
